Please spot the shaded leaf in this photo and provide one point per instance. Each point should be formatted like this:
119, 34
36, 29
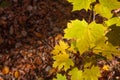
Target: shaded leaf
76, 74
91, 74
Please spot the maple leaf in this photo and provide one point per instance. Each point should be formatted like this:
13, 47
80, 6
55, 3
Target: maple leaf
112, 21
85, 34
106, 67
60, 48
105, 7
91, 74
62, 61
108, 50
60, 77
76, 74
80, 4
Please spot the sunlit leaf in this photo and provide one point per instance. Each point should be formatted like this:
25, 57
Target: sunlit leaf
103, 11
105, 7
60, 48
113, 21
84, 33
60, 77
80, 4
106, 67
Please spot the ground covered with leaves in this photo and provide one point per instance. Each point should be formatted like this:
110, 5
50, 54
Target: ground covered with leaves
29, 30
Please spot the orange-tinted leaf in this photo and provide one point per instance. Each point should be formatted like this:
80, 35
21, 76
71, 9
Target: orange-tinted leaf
16, 74
5, 70
106, 67
1, 78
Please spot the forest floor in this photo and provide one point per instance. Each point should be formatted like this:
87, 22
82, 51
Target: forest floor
29, 30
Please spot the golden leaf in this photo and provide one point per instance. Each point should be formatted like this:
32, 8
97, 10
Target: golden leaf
16, 74
5, 70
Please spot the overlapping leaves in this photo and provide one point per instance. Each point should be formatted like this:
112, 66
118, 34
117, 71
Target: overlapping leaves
61, 56
85, 34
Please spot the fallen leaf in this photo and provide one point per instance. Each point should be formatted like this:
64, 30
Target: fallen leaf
106, 67
16, 74
5, 70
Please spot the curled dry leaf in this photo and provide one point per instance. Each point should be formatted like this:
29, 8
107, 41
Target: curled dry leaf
16, 74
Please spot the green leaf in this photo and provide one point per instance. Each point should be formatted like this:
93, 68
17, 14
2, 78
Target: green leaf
62, 61
105, 7
112, 21
76, 74
91, 74
110, 4
80, 4
85, 34
103, 11
60, 77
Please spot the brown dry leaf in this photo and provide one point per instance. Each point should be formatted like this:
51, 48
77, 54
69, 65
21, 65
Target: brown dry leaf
58, 37
37, 61
38, 34
52, 71
16, 74
1, 78
1, 40
5, 70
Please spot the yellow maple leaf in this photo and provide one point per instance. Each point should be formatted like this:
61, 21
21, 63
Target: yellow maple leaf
62, 61
60, 48
106, 67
